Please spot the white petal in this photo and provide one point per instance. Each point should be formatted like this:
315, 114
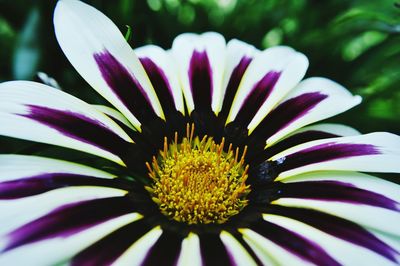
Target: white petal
138, 251
269, 252
342, 251
359, 180
391, 240
239, 253
336, 129
236, 51
28, 92
190, 251
386, 159
56, 250
24, 128
82, 32
16, 97
165, 62
182, 50
114, 114
292, 66
337, 100
13, 167
18, 212
374, 217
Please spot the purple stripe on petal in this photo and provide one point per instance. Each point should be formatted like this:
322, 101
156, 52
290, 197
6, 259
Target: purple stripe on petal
160, 83
257, 96
77, 126
111, 247
213, 251
233, 85
165, 251
338, 227
201, 81
294, 243
69, 219
325, 152
125, 86
38, 184
286, 113
246, 246
289, 142
336, 191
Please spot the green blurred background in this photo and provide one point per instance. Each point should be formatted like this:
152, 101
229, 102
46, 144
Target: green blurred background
354, 42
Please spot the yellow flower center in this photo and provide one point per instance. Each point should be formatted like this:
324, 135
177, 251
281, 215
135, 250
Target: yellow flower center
196, 181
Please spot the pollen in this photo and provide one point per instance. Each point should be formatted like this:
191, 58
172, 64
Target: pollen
199, 181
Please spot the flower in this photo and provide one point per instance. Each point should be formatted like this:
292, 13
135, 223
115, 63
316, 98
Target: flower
211, 156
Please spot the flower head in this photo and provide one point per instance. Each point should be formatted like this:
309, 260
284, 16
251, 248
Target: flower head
210, 155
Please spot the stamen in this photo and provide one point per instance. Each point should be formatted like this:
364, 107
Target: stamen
196, 181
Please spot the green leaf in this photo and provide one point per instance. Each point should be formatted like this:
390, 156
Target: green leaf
128, 34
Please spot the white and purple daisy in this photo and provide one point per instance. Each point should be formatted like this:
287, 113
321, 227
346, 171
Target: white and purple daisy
214, 159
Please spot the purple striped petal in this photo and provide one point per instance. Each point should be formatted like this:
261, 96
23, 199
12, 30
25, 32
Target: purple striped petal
69, 219
125, 86
111, 247
338, 227
33, 185
289, 142
78, 126
200, 77
294, 243
286, 113
325, 152
165, 251
233, 85
246, 246
160, 83
336, 191
256, 98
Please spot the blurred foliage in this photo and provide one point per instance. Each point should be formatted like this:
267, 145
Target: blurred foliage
354, 42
